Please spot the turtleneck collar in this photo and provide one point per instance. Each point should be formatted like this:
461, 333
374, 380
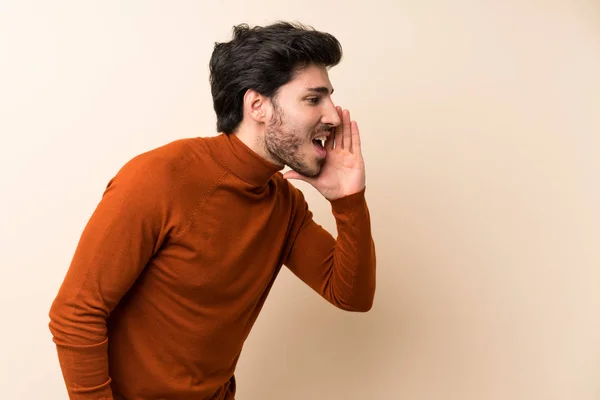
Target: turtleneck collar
242, 161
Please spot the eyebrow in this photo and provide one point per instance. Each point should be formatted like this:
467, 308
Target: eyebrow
320, 89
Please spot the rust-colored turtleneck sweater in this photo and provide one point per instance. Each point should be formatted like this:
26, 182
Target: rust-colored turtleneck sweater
176, 262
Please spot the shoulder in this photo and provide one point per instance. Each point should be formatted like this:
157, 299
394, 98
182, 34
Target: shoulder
171, 176
164, 158
169, 165
166, 181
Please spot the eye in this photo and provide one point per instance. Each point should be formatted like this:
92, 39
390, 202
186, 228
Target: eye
314, 100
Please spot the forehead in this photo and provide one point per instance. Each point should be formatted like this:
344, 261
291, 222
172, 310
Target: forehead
312, 77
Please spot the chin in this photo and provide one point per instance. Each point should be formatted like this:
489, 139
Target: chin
311, 170
313, 173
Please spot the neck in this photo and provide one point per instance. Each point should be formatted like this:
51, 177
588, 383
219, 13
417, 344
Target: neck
240, 160
255, 141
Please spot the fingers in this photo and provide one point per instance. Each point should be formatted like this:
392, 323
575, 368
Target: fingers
347, 136
355, 137
329, 144
339, 141
330, 140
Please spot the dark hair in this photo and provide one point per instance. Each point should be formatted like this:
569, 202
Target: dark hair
263, 59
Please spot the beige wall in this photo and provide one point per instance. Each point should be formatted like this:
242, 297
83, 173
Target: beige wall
481, 132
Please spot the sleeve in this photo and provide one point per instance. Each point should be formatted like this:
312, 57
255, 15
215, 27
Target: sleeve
125, 230
341, 270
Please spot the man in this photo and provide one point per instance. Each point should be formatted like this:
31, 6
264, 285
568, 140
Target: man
179, 256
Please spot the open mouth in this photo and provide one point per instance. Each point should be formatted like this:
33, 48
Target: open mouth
320, 141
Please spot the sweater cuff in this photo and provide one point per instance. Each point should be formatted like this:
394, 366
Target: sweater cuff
350, 202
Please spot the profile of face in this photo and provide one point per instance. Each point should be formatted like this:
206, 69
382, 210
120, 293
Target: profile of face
302, 116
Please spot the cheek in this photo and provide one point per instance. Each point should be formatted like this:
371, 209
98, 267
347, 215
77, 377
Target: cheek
308, 123
301, 123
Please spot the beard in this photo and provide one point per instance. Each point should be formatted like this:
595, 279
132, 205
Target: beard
285, 144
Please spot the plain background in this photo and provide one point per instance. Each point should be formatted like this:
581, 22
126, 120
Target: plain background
481, 132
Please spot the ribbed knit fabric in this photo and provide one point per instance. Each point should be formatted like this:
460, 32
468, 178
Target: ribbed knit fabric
175, 264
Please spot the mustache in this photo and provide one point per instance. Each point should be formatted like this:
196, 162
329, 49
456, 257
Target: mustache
324, 128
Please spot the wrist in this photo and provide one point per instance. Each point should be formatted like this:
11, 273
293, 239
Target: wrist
348, 199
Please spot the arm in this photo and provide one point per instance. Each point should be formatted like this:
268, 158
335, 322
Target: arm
342, 270
124, 231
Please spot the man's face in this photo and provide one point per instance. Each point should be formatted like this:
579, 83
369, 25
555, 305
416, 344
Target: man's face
302, 112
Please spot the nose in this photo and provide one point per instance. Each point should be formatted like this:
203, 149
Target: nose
331, 116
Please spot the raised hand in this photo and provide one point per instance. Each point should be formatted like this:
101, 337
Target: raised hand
343, 172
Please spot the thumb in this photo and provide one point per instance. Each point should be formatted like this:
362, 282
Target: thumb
296, 175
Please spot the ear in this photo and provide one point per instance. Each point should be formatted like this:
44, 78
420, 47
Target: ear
255, 105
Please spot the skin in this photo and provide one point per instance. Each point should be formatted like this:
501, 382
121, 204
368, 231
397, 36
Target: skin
282, 130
